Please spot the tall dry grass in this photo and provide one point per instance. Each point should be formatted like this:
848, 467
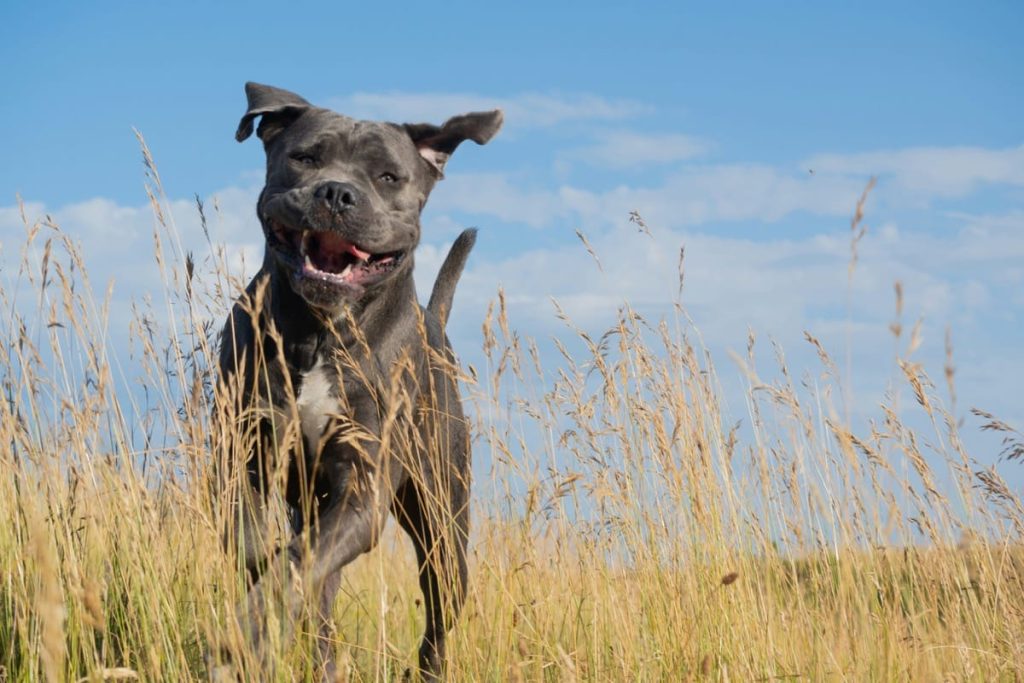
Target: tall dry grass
627, 527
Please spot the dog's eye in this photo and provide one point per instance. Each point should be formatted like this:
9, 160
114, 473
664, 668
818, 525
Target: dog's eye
304, 158
387, 178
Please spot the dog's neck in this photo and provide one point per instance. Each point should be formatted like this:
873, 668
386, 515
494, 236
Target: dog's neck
307, 332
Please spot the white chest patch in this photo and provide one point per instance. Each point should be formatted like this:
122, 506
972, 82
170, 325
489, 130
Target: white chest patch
316, 403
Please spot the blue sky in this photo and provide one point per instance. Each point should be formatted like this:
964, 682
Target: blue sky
745, 131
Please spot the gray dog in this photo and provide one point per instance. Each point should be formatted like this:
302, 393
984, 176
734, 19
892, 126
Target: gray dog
330, 339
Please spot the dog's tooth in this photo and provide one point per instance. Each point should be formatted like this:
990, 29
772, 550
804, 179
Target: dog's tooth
305, 243
309, 264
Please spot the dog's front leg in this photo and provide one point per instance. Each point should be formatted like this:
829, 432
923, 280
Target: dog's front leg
345, 530
348, 523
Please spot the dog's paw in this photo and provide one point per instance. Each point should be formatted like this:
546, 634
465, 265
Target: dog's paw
223, 673
221, 670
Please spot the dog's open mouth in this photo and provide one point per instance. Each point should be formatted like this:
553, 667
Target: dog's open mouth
330, 257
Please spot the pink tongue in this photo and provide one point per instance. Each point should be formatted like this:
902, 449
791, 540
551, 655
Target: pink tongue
336, 242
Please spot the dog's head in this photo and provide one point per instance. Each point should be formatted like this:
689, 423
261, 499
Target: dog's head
342, 201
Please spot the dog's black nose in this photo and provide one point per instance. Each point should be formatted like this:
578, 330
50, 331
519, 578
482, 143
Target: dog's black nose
337, 196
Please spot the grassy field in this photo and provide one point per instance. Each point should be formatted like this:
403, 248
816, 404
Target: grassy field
626, 529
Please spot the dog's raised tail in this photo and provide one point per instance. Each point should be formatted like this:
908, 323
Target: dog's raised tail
444, 287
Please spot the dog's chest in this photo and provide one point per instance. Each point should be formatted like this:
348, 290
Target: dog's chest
316, 403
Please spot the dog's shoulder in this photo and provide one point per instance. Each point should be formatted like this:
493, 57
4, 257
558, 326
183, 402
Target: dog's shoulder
238, 333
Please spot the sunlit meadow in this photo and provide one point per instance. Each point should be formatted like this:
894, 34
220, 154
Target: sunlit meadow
626, 526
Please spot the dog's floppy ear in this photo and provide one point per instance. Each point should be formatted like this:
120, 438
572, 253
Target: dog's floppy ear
436, 143
277, 107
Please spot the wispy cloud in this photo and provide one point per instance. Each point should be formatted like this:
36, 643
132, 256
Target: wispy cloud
930, 172
729, 192
527, 110
779, 281
117, 241
694, 194
501, 196
781, 287
626, 148
691, 196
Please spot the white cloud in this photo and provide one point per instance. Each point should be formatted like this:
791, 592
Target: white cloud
496, 194
625, 148
727, 192
527, 110
689, 197
765, 274
117, 244
780, 288
968, 278
928, 172
695, 194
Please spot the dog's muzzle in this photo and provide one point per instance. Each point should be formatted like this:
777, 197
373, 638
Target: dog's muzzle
326, 256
